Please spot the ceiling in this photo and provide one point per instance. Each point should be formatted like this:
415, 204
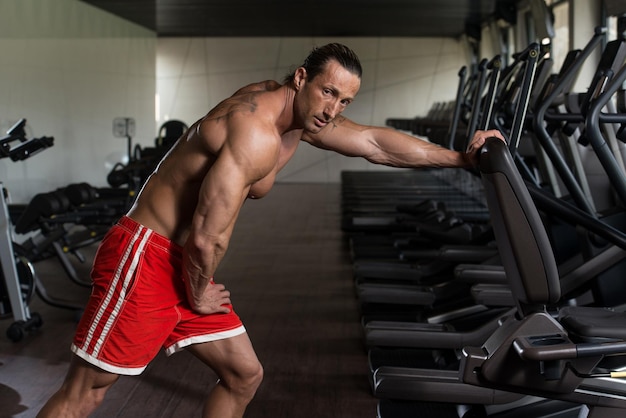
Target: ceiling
215, 18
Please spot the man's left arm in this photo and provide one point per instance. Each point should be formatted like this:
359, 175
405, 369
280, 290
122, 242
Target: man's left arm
387, 146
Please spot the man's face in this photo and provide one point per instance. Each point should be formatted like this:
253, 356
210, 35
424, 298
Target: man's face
322, 99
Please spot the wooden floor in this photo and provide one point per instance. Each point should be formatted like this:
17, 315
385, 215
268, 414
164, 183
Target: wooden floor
290, 278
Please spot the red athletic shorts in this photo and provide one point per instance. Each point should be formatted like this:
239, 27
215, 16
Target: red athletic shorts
138, 304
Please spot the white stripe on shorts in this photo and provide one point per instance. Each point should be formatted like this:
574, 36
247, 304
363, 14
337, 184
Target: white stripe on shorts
112, 287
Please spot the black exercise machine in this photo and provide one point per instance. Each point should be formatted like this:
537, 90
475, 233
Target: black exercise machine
18, 274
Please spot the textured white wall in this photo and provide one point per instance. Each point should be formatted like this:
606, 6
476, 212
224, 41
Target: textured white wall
70, 69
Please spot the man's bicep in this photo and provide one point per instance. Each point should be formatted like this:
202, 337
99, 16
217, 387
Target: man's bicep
221, 195
345, 137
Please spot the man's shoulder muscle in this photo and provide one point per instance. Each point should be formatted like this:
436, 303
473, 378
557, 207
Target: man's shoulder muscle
267, 85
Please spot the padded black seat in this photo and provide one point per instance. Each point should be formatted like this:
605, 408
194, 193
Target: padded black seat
169, 132
41, 205
594, 324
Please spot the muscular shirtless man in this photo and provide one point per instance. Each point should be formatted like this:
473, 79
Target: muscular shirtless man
153, 273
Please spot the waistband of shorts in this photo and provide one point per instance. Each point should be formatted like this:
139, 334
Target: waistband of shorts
155, 238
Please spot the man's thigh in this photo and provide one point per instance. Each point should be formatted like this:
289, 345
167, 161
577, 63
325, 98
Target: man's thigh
233, 355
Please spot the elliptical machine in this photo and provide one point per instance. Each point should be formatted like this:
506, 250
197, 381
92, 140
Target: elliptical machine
18, 275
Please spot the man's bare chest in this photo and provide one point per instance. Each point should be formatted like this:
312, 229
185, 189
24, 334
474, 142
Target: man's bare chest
289, 144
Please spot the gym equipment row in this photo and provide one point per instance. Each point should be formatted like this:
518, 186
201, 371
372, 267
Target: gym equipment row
535, 328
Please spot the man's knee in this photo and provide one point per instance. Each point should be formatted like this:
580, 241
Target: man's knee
245, 380
251, 376
257, 376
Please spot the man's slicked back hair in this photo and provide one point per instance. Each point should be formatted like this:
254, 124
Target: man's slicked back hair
316, 62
